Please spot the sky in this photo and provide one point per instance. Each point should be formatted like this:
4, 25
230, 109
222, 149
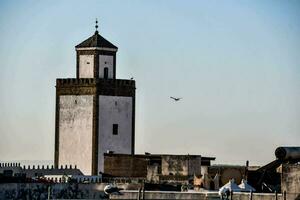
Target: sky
236, 64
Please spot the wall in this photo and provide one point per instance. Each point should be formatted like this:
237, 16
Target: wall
106, 61
57, 191
227, 172
114, 110
181, 165
153, 173
194, 165
86, 66
174, 165
75, 131
125, 166
192, 195
290, 180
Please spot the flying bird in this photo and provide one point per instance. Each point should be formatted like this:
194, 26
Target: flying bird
175, 99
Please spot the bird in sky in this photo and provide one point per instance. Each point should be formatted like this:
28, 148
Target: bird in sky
175, 98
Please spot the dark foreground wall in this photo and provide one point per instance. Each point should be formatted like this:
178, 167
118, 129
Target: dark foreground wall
57, 191
192, 195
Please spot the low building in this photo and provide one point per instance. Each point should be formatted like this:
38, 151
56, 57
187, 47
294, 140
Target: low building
156, 167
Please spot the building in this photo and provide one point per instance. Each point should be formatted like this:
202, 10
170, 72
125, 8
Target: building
156, 168
95, 112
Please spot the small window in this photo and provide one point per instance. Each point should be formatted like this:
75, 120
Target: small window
115, 129
105, 72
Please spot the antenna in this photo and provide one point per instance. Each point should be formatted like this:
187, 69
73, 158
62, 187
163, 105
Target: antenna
96, 26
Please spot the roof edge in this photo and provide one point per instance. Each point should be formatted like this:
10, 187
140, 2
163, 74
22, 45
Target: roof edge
96, 48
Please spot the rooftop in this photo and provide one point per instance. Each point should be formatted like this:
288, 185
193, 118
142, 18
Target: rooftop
96, 40
157, 155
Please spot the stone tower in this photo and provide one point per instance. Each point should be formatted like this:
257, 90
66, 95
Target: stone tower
95, 112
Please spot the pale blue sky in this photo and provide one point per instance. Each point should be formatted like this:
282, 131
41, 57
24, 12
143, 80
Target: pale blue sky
235, 63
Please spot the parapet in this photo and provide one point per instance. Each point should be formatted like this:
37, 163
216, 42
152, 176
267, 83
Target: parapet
94, 86
2, 165
75, 81
48, 167
93, 81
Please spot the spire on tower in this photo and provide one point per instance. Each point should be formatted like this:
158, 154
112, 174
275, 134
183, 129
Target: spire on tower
96, 26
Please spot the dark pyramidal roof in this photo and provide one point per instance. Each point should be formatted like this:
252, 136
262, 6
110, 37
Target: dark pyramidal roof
96, 41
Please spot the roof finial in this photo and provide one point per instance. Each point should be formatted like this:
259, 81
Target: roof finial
96, 26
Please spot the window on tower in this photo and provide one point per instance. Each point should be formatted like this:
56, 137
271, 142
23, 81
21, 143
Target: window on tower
106, 72
115, 129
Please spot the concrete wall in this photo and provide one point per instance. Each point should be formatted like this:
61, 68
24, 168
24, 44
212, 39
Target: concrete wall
75, 131
290, 180
106, 61
86, 66
114, 110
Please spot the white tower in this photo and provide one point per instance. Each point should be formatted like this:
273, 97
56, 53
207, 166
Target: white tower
95, 112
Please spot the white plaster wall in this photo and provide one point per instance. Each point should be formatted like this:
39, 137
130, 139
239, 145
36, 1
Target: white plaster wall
75, 131
106, 61
86, 66
114, 110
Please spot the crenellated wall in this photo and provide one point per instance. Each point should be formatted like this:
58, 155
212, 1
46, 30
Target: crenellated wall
93, 81
16, 169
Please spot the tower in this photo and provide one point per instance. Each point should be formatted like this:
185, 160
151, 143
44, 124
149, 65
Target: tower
95, 112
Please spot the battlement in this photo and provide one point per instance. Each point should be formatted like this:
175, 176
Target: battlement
48, 167
5, 165
93, 81
35, 167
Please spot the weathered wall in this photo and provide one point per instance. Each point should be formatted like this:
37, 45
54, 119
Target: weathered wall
86, 66
181, 165
227, 172
106, 61
290, 180
194, 165
174, 165
114, 110
75, 131
153, 173
125, 166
